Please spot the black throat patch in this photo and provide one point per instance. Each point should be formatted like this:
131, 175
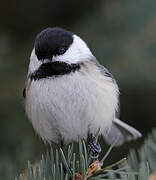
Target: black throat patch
54, 69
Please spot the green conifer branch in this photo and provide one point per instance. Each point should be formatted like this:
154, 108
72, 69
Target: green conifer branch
56, 166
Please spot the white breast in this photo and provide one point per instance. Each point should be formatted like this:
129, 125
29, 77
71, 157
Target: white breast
70, 105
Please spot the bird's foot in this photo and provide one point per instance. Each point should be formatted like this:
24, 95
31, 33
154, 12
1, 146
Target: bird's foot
94, 147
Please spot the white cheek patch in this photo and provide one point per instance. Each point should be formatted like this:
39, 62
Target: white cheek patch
34, 62
77, 52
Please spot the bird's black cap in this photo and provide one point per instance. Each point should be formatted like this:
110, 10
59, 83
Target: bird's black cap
51, 42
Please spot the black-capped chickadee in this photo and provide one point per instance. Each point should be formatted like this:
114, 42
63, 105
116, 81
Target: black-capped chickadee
68, 94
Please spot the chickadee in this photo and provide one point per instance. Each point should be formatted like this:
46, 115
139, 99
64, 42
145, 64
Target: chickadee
69, 95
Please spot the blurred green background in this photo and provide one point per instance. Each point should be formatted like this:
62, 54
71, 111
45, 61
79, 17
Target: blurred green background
121, 34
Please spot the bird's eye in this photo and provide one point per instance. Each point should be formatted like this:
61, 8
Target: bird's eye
61, 51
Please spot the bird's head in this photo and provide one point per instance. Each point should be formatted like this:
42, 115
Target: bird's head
58, 45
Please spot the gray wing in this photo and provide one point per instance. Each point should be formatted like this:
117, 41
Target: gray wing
103, 70
121, 132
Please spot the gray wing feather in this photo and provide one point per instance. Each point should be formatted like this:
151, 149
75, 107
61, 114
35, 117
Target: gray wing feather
121, 132
103, 70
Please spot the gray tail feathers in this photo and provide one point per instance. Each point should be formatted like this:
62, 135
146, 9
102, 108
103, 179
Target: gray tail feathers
121, 132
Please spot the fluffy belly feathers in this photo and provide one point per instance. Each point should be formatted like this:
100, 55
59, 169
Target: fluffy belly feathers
68, 107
